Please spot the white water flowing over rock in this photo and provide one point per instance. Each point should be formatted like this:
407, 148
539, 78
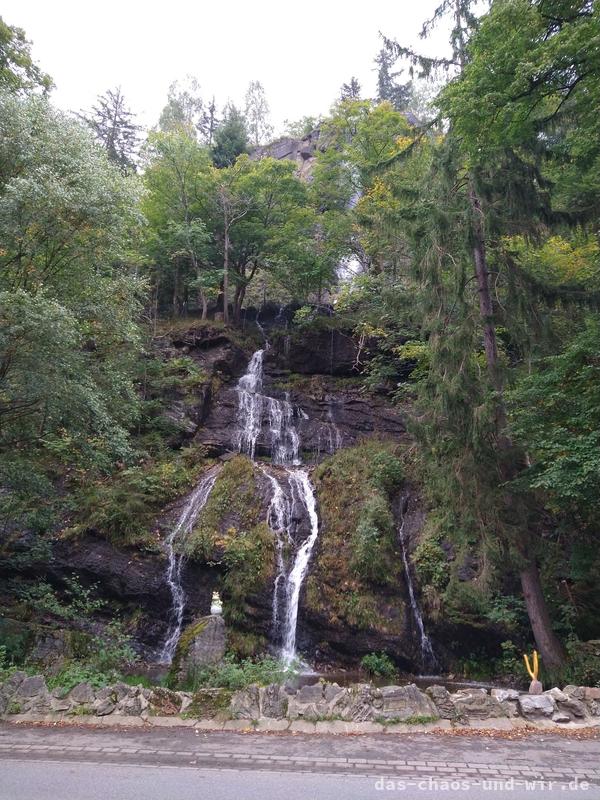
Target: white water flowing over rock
250, 405
285, 507
298, 572
278, 520
428, 658
183, 526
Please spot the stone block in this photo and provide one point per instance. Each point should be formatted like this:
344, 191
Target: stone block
30, 687
537, 706
104, 707
442, 700
245, 704
502, 695
270, 724
302, 726
273, 701
578, 692
404, 702
477, 704
82, 694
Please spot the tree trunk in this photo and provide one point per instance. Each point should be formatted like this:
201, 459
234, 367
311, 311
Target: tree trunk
238, 300
551, 650
204, 303
226, 274
553, 655
176, 290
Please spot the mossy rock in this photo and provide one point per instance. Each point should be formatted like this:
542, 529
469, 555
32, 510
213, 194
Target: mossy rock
354, 577
201, 643
208, 703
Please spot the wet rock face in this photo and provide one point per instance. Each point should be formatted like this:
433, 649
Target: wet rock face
327, 414
134, 579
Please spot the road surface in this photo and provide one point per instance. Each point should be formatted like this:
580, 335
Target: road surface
69, 763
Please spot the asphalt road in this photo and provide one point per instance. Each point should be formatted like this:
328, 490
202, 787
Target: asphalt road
41, 763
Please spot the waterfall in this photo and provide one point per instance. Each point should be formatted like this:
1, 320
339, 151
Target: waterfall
278, 519
300, 480
428, 658
250, 405
187, 519
290, 493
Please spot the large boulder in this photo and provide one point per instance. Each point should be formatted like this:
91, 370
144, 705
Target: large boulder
405, 703
201, 643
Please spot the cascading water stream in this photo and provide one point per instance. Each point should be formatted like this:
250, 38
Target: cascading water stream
299, 568
195, 503
428, 659
254, 408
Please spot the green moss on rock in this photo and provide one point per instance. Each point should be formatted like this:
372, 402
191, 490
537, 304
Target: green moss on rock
357, 565
233, 505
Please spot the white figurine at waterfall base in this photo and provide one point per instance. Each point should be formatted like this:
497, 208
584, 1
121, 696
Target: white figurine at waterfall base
216, 606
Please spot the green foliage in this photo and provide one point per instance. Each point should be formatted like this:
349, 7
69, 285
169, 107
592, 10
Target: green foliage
417, 719
122, 507
356, 559
249, 558
76, 672
18, 71
372, 539
556, 414
231, 138
233, 506
234, 674
379, 665
78, 601
229, 531
68, 306
431, 564
511, 662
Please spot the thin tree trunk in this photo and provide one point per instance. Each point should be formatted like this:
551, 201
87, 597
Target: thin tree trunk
226, 274
551, 650
240, 294
204, 302
176, 290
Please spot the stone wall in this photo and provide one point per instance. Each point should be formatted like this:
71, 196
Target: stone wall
323, 707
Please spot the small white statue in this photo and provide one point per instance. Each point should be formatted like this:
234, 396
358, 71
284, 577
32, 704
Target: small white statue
216, 606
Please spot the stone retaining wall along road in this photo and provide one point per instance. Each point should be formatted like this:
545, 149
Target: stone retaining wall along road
321, 708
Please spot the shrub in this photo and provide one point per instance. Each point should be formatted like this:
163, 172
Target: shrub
379, 665
233, 674
372, 541
431, 564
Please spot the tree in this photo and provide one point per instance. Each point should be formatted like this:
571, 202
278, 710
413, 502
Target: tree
211, 122
300, 128
18, 71
398, 94
256, 114
113, 126
350, 90
68, 301
178, 180
230, 138
500, 190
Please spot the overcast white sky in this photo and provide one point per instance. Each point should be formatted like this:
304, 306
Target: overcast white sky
301, 52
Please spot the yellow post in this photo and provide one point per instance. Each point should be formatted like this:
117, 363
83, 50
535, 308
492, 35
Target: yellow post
533, 672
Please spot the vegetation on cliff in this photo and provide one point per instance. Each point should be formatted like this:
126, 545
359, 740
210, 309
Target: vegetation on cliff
460, 255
